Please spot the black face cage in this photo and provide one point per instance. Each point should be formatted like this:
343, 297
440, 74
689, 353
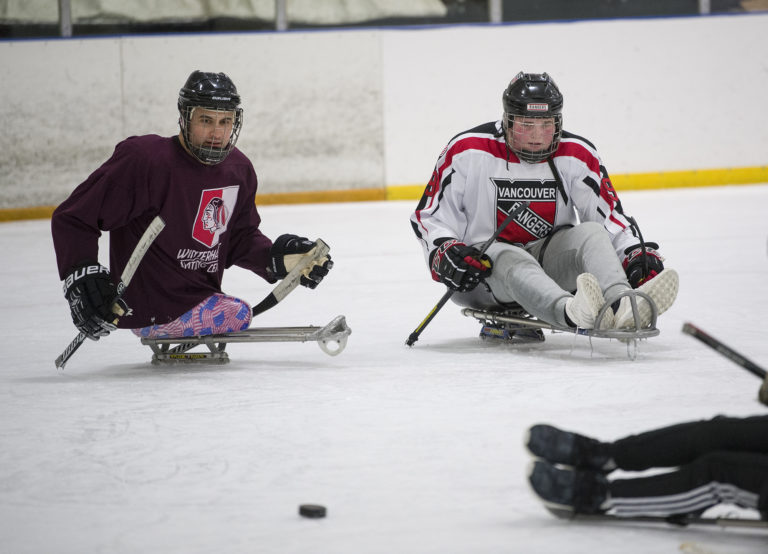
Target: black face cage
534, 156
210, 155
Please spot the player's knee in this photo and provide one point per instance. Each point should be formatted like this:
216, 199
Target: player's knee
590, 230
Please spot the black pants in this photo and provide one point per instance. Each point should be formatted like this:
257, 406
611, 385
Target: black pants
721, 460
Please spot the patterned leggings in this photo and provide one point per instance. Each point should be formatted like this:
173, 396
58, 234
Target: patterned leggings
214, 315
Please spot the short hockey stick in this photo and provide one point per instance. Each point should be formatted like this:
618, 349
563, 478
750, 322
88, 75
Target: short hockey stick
732, 355
143, 245
292, 280
413, 337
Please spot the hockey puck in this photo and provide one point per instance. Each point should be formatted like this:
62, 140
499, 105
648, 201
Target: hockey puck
313, 511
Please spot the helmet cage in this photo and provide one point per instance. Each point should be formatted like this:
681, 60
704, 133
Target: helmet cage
215, 92
209, 154
532, 156
532, 96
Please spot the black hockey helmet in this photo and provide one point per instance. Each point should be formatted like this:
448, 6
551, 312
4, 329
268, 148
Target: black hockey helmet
533, 95
211, 91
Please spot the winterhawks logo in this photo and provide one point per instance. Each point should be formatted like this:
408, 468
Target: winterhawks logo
216, 206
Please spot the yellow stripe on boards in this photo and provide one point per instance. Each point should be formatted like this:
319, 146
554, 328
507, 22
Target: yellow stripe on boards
629, 181
644, 181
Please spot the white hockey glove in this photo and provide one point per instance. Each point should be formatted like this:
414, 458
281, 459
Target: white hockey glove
288, 250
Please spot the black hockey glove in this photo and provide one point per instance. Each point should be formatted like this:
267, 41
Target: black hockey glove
635, 263
288, 250
91, 295
459, 266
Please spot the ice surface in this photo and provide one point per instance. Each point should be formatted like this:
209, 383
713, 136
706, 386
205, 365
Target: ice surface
411, 450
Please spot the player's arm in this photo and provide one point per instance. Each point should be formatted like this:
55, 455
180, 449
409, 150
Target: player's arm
597, 200
458, 266
438, 215
108, 199
251, 249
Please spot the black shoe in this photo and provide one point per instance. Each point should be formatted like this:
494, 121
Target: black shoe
566, 448
566, 492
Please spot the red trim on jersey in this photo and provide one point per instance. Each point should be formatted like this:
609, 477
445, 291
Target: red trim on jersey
494, 147
578, 151
617, 222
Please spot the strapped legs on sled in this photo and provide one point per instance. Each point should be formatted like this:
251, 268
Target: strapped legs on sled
513, 323
332, 339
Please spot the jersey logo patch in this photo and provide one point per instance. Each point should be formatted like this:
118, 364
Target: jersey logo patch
536, 221
216, 207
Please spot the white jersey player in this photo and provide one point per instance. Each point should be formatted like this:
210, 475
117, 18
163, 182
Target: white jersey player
571, 250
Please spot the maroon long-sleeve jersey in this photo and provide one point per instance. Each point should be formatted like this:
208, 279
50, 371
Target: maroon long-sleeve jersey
211, 224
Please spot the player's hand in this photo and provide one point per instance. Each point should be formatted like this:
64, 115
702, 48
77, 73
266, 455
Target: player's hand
288, 250
91, 295
459, 266
634, 263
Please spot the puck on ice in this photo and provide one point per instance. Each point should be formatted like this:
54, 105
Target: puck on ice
313, 511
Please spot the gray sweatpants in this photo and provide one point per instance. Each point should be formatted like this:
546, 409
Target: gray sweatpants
543, 289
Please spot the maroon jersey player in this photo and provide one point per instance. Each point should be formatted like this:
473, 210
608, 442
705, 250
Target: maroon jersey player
204, 188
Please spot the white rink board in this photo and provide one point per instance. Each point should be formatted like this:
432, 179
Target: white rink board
360, 109
651, 94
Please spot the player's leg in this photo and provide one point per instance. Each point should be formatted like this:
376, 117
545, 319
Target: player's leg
518, 277
723, 477
681, 443
216, 314
587, 248
738, 478
584, 248
669, 446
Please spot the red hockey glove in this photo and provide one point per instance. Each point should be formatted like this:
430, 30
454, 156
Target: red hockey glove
459, 266
635, 263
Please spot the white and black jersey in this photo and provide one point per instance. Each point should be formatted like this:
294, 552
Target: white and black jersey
477, 181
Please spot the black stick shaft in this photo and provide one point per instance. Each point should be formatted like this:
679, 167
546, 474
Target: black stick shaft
413, 337
729, 353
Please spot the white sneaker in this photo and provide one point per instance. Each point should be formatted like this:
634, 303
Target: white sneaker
662, 289
583, 308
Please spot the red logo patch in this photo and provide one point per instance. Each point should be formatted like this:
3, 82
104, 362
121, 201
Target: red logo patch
216, 206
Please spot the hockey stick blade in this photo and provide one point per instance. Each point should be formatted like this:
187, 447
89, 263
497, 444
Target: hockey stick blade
292, 280
735, 357
143, 245
413, 337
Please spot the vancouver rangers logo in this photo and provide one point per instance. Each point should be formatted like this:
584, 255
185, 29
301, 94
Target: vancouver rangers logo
216, 206
536, 221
